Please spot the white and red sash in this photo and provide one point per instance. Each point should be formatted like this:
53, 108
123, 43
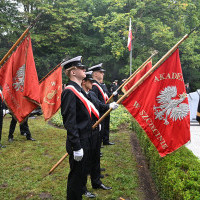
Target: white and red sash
88, 104
105, 96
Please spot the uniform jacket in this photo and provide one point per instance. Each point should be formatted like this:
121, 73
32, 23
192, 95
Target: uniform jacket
76, 119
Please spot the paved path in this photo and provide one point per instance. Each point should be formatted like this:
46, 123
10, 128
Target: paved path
194, 145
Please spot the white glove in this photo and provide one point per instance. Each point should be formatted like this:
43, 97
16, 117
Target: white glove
99, 127
114, 93
5, 112
78, 155
113, 105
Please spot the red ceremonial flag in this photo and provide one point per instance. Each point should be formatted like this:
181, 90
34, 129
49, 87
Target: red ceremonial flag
31, 83
50, 93
137, 77
160, 106
12, 75
129, 36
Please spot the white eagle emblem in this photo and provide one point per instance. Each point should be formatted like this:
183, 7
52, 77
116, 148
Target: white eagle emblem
172, 108
19, 79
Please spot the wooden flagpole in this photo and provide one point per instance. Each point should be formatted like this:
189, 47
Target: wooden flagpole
50, 72
144, 77
135, 86
20, 39
130, 77
58, 163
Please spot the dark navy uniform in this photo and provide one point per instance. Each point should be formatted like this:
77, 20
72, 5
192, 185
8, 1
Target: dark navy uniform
96, 142
77, 121
102, 94
107, 119
99, 95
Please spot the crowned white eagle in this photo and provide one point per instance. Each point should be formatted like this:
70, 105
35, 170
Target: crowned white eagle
174, 108
19, 79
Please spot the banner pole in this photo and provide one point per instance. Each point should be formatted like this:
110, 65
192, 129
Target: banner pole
130, 77
138, 83
20, 39
143, 78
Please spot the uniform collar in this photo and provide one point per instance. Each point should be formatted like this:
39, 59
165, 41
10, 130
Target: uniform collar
96, 82
77, 86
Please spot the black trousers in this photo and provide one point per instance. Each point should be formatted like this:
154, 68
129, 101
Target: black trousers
24, 128
94, 161
106, 129
78, 175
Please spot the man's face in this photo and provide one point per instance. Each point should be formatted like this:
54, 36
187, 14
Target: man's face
88, 84
100, 75
79, 72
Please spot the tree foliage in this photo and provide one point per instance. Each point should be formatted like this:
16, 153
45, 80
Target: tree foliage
98, 31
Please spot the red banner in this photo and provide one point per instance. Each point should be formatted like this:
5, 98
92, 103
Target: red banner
50, 93
31, 83
160, 106
12, 76
137, 77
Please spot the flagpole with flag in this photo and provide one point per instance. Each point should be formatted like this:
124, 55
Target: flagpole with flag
20, 39
137, 84
129, 45
132, 75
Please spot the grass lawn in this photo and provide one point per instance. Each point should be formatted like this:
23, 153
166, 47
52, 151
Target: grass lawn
24, 165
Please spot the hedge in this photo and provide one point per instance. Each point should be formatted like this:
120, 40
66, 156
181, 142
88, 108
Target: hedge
177, 175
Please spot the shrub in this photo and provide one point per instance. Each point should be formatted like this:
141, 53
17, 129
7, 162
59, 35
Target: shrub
177, 174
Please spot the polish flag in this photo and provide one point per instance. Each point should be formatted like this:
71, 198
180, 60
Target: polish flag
129, 37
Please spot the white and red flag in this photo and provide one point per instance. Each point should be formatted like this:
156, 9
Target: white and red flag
12, 80
129, 37
160, 106
50, 93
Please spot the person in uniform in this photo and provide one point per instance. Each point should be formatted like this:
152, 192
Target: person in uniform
76, 112
198, 112
101, 91
96, 139
24, 129
114, 87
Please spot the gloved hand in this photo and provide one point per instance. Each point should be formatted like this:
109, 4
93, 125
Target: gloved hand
99, 127
4, 112
78, 155
113, 105
115, 93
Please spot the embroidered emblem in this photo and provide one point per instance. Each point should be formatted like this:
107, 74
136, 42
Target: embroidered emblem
170, 105
19, 79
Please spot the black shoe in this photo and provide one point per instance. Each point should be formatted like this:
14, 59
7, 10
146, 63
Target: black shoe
102, 169
89, 194
109, 143
101, 176
10, 140
102, 186
31, 139
24, 134
2, 146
